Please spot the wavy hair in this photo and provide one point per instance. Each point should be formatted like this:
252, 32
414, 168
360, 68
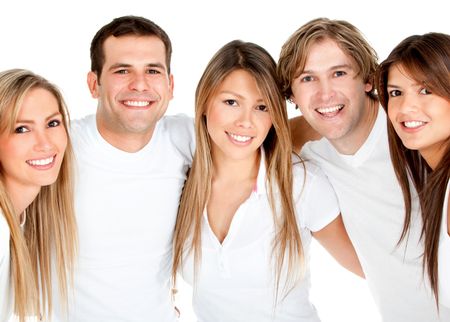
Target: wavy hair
49, 237
295, 50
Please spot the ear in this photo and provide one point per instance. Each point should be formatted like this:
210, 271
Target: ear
171, 85
368, 87
92, 82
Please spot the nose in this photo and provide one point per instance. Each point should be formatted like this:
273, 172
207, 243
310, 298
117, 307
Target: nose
406, 103
139, 82
245, 118
43, 141
326, 91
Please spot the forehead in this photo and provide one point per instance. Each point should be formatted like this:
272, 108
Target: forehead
239, 80
127, 48
37, 101
326, 53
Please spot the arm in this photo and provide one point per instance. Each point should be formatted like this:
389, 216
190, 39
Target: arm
302, 132
335, 239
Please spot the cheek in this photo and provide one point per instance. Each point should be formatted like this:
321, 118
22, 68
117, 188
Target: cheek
266, 123
391, 112
60, 138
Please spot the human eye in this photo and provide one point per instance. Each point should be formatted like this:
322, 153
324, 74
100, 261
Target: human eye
306, 79
339, 73
21, 129
121, 71
54, 123
153, 71
395, 93
262, 108
425, 91
230, 102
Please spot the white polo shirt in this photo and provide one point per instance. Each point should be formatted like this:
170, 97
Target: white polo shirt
235, 281
444, 256
6, 294
126, 207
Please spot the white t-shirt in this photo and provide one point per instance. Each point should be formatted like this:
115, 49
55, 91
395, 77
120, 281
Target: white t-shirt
372, 207
235, 281
126, 207
6, 300
444, 256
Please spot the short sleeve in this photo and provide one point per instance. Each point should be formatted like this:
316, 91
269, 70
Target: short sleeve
316, 201
181, 128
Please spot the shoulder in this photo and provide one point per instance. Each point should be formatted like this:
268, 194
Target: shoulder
179, 130
308, 173
177, 125
80, 127
316, 150
302, 132
315, 198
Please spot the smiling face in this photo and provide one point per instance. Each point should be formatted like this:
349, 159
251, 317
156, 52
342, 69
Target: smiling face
331, 95
31, 155
134, 89
237, 118
420, 118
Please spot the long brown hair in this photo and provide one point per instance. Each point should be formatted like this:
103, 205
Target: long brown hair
238, 55
50, 228
426, 59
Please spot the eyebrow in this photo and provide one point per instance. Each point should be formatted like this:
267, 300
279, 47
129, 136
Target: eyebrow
123, 65
47, 118
392, 86
342, 66
237, 95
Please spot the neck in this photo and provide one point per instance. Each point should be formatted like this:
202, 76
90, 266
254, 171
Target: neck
124, 140
21, 197
352, 142
433, 154
236, 170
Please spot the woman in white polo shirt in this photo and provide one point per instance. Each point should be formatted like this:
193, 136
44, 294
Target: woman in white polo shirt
37, 225
247, 212
414, 88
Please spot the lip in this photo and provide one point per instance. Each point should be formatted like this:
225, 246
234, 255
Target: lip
240, 139
137, 104
42, 163
330, 111
413, 125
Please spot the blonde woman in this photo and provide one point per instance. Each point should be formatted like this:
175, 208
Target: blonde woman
247, 213
37, 226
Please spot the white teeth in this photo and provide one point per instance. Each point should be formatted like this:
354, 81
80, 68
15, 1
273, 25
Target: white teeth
331, 109
240, 138
413, 124
137, 103
41, 162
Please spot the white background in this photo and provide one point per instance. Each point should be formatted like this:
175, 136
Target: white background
52, 38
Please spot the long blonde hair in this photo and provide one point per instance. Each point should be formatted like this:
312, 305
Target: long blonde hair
50, 228
238, 55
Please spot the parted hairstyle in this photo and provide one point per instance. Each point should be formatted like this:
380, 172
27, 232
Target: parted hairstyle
126, 26
426, 59
239, 55
295, 50
49, 236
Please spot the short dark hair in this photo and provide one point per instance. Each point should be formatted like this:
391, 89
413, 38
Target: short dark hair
123, 26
